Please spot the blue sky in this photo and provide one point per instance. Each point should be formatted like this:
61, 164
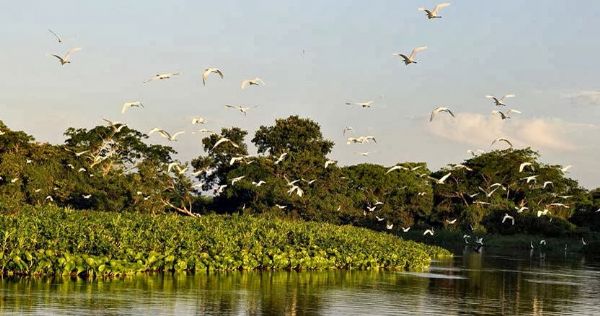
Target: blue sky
546, 55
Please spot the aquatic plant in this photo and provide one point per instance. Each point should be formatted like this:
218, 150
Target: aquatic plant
50, 241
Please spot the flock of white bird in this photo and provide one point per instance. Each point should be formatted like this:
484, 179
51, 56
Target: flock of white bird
294, 188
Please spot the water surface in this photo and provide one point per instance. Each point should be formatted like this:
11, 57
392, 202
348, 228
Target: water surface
471, 283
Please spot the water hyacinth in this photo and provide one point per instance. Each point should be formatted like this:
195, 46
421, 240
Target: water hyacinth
55, 241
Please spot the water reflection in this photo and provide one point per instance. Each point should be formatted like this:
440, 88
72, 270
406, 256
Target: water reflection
472, 283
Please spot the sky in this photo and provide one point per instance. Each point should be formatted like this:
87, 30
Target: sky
314, 56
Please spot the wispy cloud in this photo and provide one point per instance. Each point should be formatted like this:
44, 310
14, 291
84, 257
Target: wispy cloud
479, 130
588, 97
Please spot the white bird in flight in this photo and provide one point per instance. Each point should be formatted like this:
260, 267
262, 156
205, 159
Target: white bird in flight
433, 14
410, 59
507, 217
330, 162
366, 104
208, 71
389, 226
405, 229
224, 140
236, 179
428, 231
546, 183
66, 58
500, 102
501, 139
397, 167
530, 179
163, 76
259, 183
506, 115
451, 222
220, 189
198, 120
566, 168
281, 158
438, 110
521, 209
55, 35
488, 194
241, 108
252, 82
296, 188
544, 212
128, 105
233, 160
526, 164
166, 134
441, 180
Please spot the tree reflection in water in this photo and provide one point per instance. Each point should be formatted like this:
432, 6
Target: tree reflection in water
469, 283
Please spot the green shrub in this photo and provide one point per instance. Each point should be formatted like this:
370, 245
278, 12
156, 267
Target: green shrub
49, 240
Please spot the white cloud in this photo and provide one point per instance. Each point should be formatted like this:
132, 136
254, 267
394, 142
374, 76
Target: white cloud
479, 130
589, 97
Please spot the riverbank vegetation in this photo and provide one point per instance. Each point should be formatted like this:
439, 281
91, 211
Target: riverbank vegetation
49, 240
114, 168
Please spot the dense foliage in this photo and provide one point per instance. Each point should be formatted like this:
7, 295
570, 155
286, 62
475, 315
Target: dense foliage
50, 240
113, 168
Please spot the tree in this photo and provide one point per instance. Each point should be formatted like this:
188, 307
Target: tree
493, 183
292, 135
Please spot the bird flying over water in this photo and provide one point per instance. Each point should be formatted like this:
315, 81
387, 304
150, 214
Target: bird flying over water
433, 14
410, 59
208, 71
66, 58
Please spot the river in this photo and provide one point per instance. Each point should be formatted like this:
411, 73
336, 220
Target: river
470, 283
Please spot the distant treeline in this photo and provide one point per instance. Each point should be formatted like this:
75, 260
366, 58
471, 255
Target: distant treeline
113, 168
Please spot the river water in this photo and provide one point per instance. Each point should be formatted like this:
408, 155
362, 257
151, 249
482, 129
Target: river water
470, 283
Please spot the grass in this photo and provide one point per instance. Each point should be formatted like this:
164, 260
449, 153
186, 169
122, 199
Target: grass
54, 241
